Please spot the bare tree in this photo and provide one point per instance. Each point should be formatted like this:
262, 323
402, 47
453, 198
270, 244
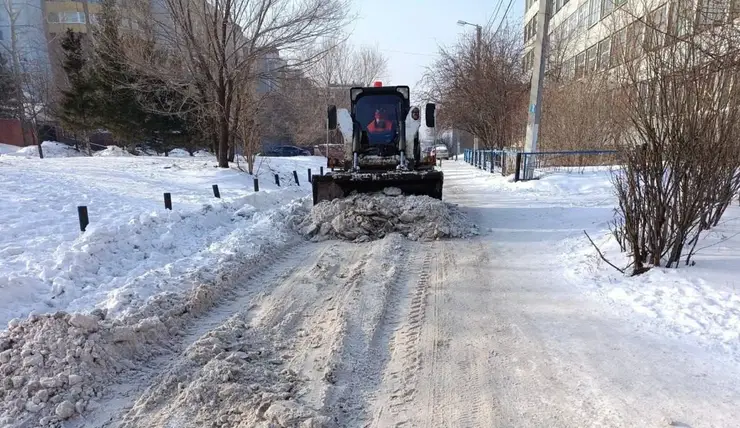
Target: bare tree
340, 63
210, 50
482, 89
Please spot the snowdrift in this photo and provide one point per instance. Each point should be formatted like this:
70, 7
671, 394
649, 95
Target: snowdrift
51, 150
112, 151
133, 248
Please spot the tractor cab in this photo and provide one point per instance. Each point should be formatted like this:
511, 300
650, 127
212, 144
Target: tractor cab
378, 113
381, 146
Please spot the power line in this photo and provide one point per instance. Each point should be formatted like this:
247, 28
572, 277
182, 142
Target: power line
498, 8
504, 17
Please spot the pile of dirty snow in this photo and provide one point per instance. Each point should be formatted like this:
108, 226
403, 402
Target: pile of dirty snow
52, 366
230, 377
367, 217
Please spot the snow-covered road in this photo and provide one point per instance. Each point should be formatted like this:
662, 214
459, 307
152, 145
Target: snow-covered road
482, 332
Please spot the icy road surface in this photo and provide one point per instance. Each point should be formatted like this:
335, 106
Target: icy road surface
482, 332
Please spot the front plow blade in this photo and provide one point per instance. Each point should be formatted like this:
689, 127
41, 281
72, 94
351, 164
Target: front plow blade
342, 184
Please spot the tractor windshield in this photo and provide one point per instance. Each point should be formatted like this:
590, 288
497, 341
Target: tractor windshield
379, 116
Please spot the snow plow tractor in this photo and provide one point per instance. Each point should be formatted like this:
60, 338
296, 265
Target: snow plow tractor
382, 148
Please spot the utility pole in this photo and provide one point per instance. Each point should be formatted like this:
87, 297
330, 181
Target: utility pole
328, 94
478, 58
538, 77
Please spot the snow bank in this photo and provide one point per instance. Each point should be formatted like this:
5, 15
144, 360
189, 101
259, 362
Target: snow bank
8, 148
51, 150
133, 249
702, 301
55, 366
365, 217
112, 151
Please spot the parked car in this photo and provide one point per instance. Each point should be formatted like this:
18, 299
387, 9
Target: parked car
281, 151
441, 152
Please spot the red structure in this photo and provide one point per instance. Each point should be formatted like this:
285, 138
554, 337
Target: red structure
11, 133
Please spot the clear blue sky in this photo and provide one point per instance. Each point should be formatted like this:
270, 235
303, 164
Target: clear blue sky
409, 31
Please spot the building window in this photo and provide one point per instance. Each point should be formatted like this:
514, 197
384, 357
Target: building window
530, 30
66, 17
568, 68
682, 18
580, 67
604, 53
634, 40
657, 25
582, 16
712, 12
528, 60
594, 8
592, 59
606, 7
571, 24
617, 48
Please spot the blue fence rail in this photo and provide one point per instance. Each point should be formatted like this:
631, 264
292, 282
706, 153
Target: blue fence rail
532, 165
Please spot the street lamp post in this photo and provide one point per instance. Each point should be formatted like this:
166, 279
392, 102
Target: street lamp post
478, 38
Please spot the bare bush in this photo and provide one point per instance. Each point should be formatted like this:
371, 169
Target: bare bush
579, 115
681, 96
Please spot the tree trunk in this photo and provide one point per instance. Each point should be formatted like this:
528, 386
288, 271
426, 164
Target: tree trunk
232, 152
36, 137
223, 143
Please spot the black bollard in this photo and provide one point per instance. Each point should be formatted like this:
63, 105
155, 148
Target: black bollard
168, 201
216, 193
84, 220
295, 176
277, 180
256, 185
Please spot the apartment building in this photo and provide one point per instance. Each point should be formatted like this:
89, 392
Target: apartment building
39, 26
24, 18
586, 36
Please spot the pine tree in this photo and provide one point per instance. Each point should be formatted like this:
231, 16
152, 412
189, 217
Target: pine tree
79, 104
132, 106
8, 102
119, 107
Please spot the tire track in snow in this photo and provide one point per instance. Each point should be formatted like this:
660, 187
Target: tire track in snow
401, 377
457, 373
371, 318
